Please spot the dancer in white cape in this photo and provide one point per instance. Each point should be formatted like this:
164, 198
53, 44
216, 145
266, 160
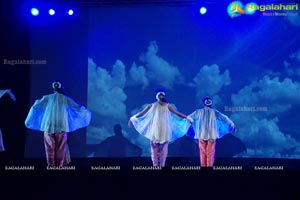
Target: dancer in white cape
158, 123
57, 114
209, 125
12, 96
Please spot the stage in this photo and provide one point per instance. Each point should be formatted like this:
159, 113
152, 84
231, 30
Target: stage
172, 164
111, 60
182, 178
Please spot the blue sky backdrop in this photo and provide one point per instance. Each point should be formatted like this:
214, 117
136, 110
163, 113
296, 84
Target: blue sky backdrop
250, 61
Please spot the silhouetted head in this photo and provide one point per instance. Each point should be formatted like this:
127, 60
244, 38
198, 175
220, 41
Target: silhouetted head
207, 101
118, 130
58, 86
160, 95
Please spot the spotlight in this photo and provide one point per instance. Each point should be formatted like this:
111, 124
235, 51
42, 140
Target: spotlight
70, 12
34, 11
51, 12
202, 10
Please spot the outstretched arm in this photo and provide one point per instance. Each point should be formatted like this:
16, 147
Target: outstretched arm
74, 105
179, 113
143, 111
9, 92
140, 114
223, 117
40, 102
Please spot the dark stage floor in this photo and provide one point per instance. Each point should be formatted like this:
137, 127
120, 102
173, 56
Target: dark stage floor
134, 178
129, 163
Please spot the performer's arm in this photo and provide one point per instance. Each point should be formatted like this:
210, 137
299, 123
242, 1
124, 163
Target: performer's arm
140, 114
143, 111
223, 117
179, 113
9, 92
194, 114
40, 102
75, 105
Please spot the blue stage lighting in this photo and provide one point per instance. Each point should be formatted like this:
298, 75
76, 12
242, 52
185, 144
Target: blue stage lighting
202, 10
51, 12
34, 11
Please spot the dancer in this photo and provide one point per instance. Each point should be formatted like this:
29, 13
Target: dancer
209, 125
13, 97
157, 124
57, 114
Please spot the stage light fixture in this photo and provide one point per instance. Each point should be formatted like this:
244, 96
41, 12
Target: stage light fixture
202, 10
70, 12
51, 11
35, 11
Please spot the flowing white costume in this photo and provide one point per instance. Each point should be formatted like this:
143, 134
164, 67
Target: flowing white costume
209, 125
2, 92
160, 126
57, 114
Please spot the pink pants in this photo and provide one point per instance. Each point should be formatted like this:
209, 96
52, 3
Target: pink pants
207, 152
55, 146
159, 153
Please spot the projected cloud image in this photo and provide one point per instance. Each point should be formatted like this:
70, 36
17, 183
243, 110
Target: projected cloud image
250, 65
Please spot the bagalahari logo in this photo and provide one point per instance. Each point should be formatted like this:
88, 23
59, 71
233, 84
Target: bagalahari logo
237, 8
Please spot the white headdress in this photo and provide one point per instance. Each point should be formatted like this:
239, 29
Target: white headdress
56, 85
159, 93
208, 101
